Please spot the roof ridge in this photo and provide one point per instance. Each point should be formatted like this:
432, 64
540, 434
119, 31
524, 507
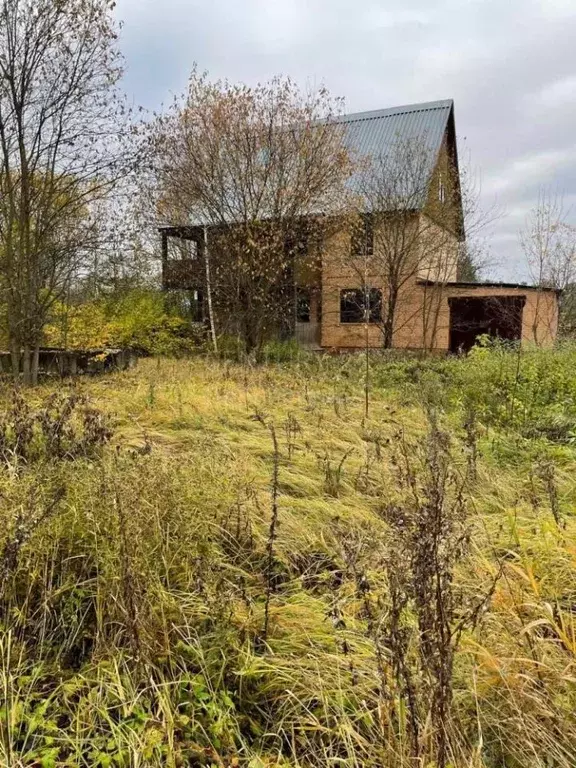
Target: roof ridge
375, 114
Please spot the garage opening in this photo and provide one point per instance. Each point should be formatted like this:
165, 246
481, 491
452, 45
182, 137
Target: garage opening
497, 316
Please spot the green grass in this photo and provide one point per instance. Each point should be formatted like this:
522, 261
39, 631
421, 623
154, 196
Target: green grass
132, 617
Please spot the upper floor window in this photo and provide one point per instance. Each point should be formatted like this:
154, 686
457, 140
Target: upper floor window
441, 190
362, 241
358, 305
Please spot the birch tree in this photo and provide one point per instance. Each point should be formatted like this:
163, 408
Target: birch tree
63, 145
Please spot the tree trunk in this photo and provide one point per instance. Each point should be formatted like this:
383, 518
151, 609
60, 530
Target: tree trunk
366, 343
366, 372
15, 358
251, 335
536, 318
27, 365
388, 332
35, 365
431, 303
209, 292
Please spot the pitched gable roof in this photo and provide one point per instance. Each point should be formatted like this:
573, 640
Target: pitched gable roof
377, 133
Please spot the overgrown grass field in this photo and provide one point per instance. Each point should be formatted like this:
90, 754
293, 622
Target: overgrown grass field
208, 563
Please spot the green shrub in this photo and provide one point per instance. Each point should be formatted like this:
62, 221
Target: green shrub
280, 351
234, 348
145, 320
527, 389
231, 348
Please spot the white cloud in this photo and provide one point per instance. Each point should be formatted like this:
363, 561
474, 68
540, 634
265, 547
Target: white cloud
277, 25
390, 18
556, 94
540, 167
560, 9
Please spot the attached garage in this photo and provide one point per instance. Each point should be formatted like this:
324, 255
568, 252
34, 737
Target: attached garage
508, 311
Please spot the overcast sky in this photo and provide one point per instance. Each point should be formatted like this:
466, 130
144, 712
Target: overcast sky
509, 65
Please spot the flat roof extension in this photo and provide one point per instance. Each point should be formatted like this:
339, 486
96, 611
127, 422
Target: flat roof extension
520, 286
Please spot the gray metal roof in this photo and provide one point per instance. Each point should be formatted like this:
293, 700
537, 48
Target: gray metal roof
370, 133
378, 133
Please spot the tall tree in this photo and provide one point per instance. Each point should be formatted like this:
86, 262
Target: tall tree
63, 133
549, 244
254, 166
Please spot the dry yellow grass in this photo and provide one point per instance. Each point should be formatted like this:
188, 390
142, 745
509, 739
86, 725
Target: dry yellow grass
132, 619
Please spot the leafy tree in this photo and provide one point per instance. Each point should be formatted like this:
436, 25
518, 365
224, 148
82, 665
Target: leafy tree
254, 166
64, 136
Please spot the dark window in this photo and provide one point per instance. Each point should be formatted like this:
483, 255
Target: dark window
353, 305
362, 243
303, 306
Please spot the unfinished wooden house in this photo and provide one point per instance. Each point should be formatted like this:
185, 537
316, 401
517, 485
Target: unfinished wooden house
404, 250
